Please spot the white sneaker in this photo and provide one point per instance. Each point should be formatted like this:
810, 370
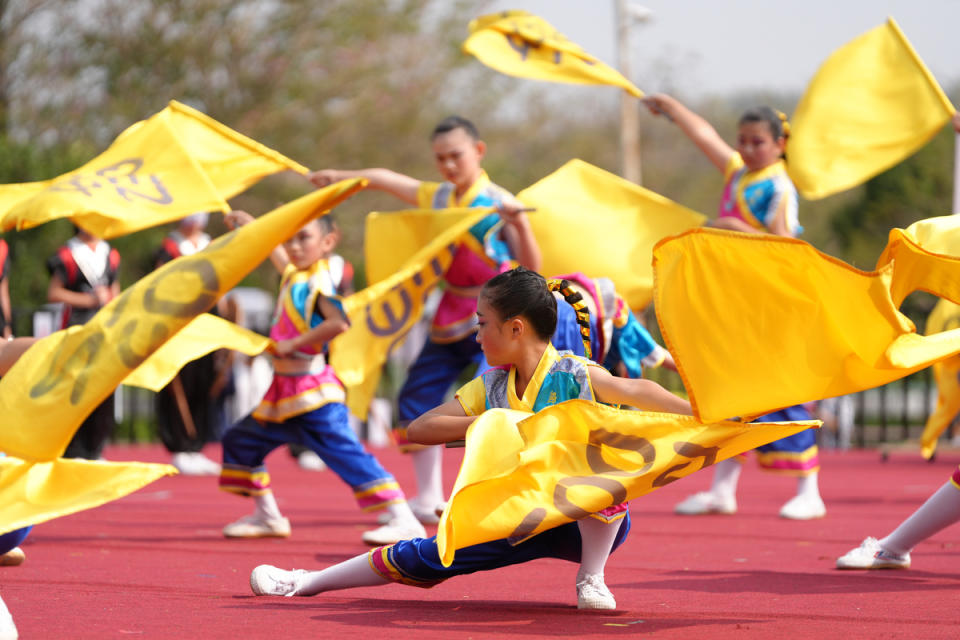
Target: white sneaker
310, 461
194, 463
592, 593
804, 507
394, 531
267, 580
426, 515
870, 555
12, 558
253, 526
706, 502
8, 630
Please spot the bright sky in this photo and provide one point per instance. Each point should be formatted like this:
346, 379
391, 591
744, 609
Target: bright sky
716, 46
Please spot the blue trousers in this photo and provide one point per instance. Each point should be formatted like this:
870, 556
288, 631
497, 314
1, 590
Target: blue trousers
325, 430
417, 563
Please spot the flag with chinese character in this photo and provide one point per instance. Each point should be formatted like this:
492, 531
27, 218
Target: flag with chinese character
61, 378
158, 170
525, 473
382, 314
758, 323
869, 106
594, 222
521, 44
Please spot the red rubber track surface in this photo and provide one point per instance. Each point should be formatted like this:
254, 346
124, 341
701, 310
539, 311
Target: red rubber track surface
154, 565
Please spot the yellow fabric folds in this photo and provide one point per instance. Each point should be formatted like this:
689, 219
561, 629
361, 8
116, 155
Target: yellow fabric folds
158, 170
871, 104
521, 44
31, 493
382, 314
580, 205
757, 323
944, 317
61, 378
525, 473
391, 239
203, 334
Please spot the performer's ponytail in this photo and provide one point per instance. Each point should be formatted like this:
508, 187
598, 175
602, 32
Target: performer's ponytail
575, 300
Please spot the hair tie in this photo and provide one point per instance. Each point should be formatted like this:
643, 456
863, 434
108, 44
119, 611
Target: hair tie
575, 300
784, 123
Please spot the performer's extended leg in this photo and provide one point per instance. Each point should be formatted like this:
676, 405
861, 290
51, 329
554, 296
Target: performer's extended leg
893, 552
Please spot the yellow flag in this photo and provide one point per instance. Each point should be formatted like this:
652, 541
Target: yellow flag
521, 44
757, 323
64, 376
592, 221
525, 473
391, 239
382, 314
871, 104
158, 170
36, 492
203, 334
944, 317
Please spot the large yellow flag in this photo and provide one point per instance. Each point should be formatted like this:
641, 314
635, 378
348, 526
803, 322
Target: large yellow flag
391, 239
382, 314
757, 323
204, 334
61, 378
592, 221
158, 170
871, 104
525, 473
65, 375
521, 44
34, 492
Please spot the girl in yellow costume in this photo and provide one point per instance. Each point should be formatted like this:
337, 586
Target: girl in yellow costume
517, 316
758, 197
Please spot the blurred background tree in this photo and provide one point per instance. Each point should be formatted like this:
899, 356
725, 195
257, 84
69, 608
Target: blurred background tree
355, 83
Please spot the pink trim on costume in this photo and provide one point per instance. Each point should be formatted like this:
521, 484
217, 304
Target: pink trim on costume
783, 464
382, 498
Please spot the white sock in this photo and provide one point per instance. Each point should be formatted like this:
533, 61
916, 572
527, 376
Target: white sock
596, 543
726, 475
355, 572
809, 485
939, 511
401, 512
428, 466
265, 506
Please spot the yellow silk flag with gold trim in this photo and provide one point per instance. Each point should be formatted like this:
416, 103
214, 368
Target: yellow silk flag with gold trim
521, 44
382, 314
202, 335
592, 221
758, 323
525, 473
869, 106
391, 239
61, 378
158, 170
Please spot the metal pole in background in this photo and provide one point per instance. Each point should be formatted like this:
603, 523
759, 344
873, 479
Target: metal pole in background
626, 15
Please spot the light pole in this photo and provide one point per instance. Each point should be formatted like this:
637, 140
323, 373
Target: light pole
627, 15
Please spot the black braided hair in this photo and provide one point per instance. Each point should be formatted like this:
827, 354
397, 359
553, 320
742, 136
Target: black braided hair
575, 300
522, 292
